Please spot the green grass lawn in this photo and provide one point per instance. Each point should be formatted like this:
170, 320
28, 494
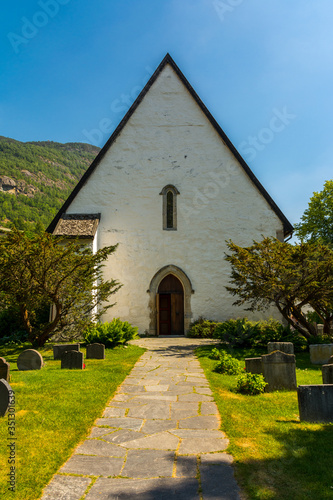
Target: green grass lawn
54, 411
276, 456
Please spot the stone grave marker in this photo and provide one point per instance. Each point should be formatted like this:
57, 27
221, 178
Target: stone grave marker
320, 329
327, 373
72, 360
315, 403
287, 347
330, 360
5, 396
320, 353
29, 360
279, 370
4, 369
95, 351
59, 349
253, 365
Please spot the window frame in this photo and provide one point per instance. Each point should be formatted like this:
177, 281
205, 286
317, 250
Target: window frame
169, 188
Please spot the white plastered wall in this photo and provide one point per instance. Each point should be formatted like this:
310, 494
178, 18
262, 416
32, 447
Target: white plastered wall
168, 140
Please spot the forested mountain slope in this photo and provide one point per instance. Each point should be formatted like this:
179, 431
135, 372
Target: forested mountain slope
37, 177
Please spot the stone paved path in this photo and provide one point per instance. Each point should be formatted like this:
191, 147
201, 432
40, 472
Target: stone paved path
158, 438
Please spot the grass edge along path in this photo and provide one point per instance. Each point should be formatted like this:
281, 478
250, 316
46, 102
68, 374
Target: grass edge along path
55, 408
275, 455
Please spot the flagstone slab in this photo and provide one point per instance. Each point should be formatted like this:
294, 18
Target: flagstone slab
158, 397
120, 423
198, 433
196, 446
144, 489
216, 458
130, 389
160, 441
100, 448
93, 466
203, 390
98, 432
151, 411
181, 414
201, 422
66, 488
156, 388
186, 467
209, 409
154, 426
218, 483
148, 463
122, 436
195, 397
114, 412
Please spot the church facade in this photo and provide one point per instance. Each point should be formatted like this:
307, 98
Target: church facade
170, 188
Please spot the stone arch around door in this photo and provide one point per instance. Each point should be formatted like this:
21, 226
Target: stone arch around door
153, 292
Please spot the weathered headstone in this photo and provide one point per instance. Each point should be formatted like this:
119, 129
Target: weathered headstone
330, 360
72, 360
5, 396
253, 365
29, 360
287, 347
320, 329
279, 370
315, 403
4, 369
59, 349
327, 373
95, 351
320, 353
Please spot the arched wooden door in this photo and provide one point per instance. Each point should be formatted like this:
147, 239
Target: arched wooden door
170, 299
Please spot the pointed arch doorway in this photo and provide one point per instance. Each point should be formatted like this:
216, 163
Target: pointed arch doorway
173, 282
170, 307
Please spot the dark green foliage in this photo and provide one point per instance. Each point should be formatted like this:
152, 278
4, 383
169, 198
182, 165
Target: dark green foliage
44, 173
202, 328
111, 334
42, 269
244, 333
227, 364
251, 383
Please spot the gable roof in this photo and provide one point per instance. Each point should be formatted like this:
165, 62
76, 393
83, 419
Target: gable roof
287, 226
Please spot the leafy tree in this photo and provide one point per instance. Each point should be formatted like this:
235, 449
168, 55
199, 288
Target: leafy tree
43, 269
317, 220
290, 277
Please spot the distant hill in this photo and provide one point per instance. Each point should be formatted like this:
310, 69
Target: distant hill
37, 177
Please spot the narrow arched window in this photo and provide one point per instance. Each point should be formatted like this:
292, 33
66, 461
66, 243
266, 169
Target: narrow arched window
169, 213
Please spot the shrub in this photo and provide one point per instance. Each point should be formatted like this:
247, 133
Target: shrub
228, 364
215, 354
251, 383
244, 333
202, 328
111, 334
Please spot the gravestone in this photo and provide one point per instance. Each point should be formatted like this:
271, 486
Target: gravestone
58, 350
4, 369
330, 360
5, 396
29, 360
287, 347
279, 370
95, 351
315, 403
327, 373
320, 330
72, 360
253, 365
320, 353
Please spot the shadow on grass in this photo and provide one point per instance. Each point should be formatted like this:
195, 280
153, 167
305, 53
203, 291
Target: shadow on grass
304, 471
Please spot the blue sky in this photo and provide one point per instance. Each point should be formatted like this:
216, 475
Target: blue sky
70, 69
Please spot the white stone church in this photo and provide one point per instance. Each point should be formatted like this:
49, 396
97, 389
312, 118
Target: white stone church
170, 188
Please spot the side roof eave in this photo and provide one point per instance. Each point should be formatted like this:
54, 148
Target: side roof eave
287, 226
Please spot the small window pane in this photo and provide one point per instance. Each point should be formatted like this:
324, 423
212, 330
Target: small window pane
169, 210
